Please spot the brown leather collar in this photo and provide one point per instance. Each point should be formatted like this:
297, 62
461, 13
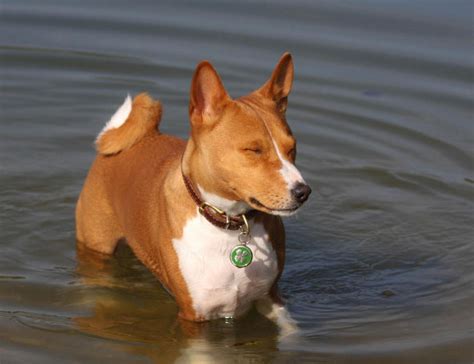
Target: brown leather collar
215, 215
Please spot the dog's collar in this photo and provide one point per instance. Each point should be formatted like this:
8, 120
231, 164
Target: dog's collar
215, 215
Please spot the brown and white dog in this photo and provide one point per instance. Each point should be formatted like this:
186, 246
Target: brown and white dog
183, 207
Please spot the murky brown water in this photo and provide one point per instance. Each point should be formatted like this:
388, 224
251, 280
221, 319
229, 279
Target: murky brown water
379, 266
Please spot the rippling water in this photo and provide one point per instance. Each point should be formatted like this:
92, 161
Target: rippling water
379, 262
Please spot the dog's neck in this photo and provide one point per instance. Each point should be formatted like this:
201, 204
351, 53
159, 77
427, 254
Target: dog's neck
232, 207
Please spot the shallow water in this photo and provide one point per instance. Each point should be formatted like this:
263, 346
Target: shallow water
379, 263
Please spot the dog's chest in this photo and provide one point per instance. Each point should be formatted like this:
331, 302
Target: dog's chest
218, 288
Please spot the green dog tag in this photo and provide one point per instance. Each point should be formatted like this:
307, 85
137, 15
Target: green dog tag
241, 256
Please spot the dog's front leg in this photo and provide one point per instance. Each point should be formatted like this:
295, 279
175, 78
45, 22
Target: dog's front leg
275, 310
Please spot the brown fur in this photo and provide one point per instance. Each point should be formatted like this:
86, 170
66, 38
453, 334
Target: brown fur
134, 189
144, 118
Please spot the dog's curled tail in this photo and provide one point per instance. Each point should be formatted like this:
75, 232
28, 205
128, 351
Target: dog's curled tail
130, 123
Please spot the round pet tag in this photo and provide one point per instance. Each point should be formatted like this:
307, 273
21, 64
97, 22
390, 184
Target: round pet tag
241, 256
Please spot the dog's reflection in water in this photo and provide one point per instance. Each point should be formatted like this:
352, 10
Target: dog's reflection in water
125, 302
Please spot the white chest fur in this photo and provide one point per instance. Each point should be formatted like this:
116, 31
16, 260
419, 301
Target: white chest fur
218, 288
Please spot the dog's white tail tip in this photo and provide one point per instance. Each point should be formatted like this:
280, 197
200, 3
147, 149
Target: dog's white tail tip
119, 117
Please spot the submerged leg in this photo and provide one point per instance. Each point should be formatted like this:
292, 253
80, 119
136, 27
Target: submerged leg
96, 225
274, 310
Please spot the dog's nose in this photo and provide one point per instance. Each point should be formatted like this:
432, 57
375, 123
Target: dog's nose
301, 192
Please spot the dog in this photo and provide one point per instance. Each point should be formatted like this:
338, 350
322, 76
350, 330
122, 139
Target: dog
203, 215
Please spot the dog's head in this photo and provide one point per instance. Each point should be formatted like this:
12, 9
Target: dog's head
243, 149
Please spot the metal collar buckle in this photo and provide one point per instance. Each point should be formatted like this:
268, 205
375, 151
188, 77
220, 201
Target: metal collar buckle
243, 228
216, 210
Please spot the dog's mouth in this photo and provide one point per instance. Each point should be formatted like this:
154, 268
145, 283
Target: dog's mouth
284, 212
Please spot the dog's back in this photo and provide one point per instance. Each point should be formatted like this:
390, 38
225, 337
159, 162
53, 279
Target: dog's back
122, 176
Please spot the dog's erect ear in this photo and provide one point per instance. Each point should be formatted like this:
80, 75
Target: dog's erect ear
208, 95
279, 85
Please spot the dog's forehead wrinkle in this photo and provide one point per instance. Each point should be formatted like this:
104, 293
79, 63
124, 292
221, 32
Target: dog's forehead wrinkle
252, 107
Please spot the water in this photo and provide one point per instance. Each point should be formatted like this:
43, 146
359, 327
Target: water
379, 262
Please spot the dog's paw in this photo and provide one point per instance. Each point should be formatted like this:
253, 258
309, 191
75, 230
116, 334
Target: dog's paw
288, 330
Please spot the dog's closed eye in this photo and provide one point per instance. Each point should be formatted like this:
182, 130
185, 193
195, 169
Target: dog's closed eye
254, 150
